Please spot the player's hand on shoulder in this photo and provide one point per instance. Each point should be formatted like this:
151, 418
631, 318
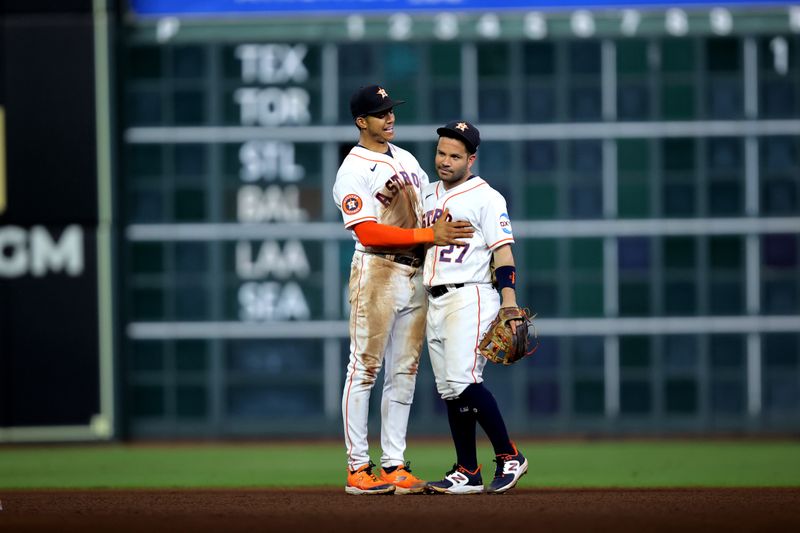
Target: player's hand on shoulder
450, 232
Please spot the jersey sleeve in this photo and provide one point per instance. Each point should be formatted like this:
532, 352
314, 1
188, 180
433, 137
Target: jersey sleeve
495, 222
353, 197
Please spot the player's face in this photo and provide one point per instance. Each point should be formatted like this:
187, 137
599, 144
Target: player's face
380, 127
453, 162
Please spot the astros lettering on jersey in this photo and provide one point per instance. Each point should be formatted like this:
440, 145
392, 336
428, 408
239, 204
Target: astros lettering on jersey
381, 188
478, 203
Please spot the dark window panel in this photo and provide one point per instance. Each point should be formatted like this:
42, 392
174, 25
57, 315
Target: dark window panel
586, 299
635, 397
633, 101
586, 254
677, 101
727, 351
147, 304
777, 99
548, 355
147, 257
144, 108
146, 206
725, 199
678, 55
726, 298
633, 155
189, 205
191, 355
779, 251
584, 57
634, 254
724, 99
588, 397
728, 397
542, 255
445, 60
779, 196
779, 154
188, 62
540, 104
585, 103
723, 54
678, 155
494, 105
632, 57
539, 59
147, 401
724, 154
679, 200
726, 253
633, 200
493, 59
191, 303
780, 298
543, 298
781, 394
781, 350
586, 201
541, 156
543, 398
634, 351
144, 160
446, 104
679, 252
588, 353
403, 62
190, 159
680, 352
144, 63
285, 401
191, 401
634, 299
191, 257
680, 298
188, 107
541, 201
357, 60
681, 396
147, 356
586, 158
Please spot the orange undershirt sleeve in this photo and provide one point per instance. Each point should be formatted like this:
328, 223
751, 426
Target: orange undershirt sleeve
374, 234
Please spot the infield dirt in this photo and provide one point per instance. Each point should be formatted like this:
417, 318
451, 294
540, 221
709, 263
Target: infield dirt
331, 510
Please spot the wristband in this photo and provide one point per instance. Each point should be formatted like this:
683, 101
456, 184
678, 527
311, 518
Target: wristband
506, 277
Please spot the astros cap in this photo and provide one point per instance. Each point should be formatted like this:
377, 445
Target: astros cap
464, 132
371, 100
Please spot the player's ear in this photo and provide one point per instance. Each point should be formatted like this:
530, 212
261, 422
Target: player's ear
361, 122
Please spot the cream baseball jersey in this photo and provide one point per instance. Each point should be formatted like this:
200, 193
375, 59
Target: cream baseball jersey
476, 202
381, 188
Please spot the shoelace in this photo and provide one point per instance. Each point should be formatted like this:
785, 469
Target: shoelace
501, 461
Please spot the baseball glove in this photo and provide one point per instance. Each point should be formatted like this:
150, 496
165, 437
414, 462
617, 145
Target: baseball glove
501, 344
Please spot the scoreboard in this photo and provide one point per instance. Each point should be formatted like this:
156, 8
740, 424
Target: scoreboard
650, 157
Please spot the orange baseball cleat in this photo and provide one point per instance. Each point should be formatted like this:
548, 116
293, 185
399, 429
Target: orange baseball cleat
404, 481
363, 481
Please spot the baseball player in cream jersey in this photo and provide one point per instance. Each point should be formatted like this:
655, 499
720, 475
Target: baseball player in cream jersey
378, 189
462, 304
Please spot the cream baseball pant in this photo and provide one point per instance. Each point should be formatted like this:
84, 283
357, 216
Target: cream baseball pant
456, 322
387, 327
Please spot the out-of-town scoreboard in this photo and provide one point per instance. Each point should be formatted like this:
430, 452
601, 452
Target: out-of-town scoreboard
650, 156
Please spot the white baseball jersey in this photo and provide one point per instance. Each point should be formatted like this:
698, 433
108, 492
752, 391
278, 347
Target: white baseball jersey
476, 202
387, 300
381, 188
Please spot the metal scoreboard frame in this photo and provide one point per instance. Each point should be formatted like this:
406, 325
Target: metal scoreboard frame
162, 26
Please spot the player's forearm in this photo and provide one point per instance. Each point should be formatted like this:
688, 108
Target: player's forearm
506, 275
374, 234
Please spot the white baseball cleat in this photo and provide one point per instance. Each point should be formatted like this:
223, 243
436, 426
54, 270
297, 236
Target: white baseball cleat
459, 480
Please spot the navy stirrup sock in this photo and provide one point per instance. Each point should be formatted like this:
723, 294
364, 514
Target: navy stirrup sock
462, 428
488, 416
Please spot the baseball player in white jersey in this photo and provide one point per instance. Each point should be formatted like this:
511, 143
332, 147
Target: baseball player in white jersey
462, 304
377, 189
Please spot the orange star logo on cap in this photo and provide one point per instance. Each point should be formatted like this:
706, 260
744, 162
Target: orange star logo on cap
462, 126
382, 92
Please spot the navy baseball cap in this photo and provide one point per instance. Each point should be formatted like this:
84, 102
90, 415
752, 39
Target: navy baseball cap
464, 132
371, 100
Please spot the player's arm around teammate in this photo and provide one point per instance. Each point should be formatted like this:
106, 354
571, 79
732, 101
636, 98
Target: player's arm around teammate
377, 189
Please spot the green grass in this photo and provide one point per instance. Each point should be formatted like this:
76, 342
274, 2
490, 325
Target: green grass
632, 464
